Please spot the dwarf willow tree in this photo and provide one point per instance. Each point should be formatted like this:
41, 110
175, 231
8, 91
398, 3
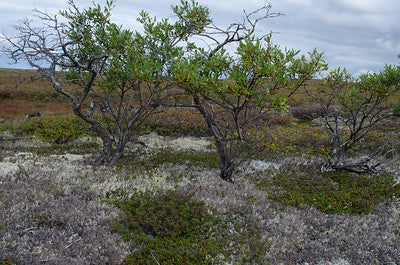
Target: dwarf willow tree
353, 108
113, 77
236, 92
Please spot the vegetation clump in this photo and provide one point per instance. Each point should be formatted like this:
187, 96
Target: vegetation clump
53, 128
168, 229
173, 228
331, 192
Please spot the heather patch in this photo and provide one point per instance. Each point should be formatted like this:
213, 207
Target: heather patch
331, 192
296, 138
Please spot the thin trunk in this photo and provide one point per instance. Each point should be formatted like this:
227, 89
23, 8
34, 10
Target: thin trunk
227, 169
226, 165
110, 155
106, 154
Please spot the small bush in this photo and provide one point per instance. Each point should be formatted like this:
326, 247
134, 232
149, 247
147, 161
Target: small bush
173, 228
332, 192
54, 128
167, 229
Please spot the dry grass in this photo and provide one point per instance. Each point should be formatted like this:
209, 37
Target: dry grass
21, 94
10, 109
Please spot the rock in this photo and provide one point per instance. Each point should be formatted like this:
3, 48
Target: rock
33, 115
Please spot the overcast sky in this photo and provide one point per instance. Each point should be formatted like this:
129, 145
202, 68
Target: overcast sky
361, 35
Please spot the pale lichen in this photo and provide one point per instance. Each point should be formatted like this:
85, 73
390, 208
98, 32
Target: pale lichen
155, 141
52, 211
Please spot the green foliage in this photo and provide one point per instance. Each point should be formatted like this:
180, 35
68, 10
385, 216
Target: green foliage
235, 93
6, 262
255, 75
331, 192
169, 229
88, 30
369, 90
191, 15
53, 128
353, 108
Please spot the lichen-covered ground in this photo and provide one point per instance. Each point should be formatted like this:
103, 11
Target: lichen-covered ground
53, 210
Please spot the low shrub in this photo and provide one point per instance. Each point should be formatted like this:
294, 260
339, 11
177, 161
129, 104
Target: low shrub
173, 228
331, 192
57, 129
168, 229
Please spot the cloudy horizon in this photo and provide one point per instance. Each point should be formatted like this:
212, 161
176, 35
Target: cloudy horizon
361, 35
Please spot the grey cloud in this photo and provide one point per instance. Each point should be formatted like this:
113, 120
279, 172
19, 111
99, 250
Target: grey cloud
357, 34
348, 31
389, 43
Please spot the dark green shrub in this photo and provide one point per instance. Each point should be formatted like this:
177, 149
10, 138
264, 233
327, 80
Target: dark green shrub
169, 229
331, 192
54, 128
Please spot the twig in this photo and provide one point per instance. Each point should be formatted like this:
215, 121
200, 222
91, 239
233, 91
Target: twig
29, 229
155, 258
76, 241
